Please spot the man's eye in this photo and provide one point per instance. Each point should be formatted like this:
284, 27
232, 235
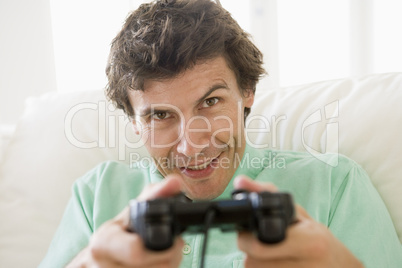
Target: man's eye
210, 102
160, 115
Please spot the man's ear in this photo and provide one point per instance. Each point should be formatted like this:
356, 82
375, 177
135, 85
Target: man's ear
248, 98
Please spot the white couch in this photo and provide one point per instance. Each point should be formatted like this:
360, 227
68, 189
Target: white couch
61, 136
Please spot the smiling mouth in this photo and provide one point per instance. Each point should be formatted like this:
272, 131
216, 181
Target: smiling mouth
202, 168
203, 165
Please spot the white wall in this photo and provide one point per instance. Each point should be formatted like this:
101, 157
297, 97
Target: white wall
26, 55
83, 31
302, 41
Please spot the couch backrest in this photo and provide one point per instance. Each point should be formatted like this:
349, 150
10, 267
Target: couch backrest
61, 136
357, 117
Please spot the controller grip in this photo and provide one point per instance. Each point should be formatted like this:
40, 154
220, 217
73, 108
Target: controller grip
146, 221
275, 212
271, 230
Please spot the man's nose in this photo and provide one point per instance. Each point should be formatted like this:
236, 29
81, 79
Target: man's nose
196, 135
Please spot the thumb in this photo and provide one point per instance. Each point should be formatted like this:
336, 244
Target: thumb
169, 186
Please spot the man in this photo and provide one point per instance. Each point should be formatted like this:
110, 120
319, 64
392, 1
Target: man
186, 74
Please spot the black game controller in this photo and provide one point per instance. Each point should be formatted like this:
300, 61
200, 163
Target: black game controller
159, 221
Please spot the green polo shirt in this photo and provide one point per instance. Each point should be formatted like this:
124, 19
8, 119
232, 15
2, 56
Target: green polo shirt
339, 195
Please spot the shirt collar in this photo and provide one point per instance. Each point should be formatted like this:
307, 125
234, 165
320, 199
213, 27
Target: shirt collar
250, 165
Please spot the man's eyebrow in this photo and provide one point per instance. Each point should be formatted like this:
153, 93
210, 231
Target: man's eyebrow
212, 89
148, 110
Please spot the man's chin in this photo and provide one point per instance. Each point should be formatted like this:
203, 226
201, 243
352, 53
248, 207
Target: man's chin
201, 196
203, 191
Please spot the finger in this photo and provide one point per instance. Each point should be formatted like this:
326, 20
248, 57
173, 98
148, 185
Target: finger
171, 185
255, 263
102, 263
301, 212
243, 182
178, 253
114, 244
304, 238
249, 244
123, 218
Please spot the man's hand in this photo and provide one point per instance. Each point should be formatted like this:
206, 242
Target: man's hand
307, 244
112, 246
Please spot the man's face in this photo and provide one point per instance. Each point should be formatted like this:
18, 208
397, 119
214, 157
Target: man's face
193, 125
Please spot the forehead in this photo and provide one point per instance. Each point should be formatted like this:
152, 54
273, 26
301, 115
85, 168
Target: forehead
187, 86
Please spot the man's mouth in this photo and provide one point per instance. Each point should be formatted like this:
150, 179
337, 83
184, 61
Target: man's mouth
202, 169
201, 166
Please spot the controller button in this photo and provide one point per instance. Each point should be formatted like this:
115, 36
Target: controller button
239, 194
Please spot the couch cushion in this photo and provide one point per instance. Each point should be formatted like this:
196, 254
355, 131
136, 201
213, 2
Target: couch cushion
58, 139
357, 117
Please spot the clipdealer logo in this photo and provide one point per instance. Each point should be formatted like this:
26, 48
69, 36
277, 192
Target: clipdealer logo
112, 130
328, 115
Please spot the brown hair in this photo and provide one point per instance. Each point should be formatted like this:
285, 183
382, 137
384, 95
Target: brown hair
161, 39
